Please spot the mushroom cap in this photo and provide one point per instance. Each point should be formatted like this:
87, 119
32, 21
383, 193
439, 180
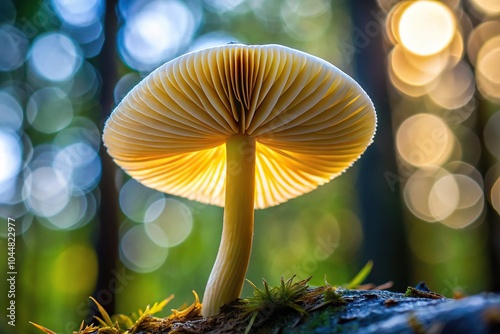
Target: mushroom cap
310, 121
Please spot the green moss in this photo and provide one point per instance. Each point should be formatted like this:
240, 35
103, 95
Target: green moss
416, 293
285, 295
320, 319
333, 296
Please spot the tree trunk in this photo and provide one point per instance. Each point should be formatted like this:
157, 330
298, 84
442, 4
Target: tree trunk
378, 186
107, 229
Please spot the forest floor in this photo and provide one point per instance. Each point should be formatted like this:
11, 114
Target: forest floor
294, 307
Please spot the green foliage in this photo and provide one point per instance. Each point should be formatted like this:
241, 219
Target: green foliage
360, 276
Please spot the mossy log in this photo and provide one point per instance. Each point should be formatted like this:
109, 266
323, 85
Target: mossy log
350, 311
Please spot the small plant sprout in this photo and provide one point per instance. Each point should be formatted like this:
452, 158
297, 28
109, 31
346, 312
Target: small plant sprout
243, 127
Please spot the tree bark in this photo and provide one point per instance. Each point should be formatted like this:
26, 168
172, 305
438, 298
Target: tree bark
381, 208
107, 229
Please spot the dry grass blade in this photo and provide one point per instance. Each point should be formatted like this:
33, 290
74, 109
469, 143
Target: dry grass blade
194, 310
106, 319
43, 329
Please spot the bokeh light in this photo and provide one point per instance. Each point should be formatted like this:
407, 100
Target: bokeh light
495, 195
306, 21
11, 193
156, 33
486, 7
135, 199
443, 197
54, 57
212, 39
436, 195
426, 27
12, 113
487, 69
86, 83
80, 163
139, 253
49, 110
10, 155
79, 12
47, 191
454, 88
267, 12
14, 47
75, 214
417, 192
76, 264
408, 73
470, 202
479, 36
223, 6
427, 43
492, 135
124, 85
467, 169
169, 222
81, 130
427, 66
402, 86
424, 140
442, 103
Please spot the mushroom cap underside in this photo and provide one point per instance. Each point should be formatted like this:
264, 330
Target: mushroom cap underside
310, 121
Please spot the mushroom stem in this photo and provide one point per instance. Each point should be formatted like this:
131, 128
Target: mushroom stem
228, 274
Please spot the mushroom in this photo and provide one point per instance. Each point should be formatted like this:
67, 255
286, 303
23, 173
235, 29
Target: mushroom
244, 127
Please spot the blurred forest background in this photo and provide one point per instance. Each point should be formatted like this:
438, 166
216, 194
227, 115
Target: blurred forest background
423, 202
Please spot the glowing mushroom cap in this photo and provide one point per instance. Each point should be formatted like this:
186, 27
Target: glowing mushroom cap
309, 119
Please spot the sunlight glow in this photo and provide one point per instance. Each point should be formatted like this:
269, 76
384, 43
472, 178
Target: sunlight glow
426, 27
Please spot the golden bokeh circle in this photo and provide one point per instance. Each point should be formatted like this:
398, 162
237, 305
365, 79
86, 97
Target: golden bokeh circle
426, 27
